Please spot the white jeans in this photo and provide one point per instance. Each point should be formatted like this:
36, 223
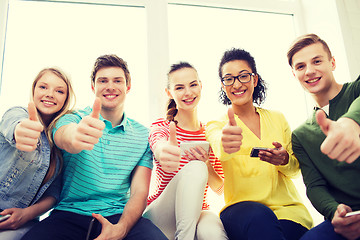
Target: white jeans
178, 210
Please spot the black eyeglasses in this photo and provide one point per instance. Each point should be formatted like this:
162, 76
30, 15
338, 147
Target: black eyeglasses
243, 78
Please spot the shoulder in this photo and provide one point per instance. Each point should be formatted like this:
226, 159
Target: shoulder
273, 114
16, 110
306, 127
136, 125
15, 113
160, 122
222, 120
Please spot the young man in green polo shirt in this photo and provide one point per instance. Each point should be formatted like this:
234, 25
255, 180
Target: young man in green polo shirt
107, 166
327, 145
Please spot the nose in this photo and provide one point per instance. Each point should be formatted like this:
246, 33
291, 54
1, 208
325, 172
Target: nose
110, 85
237, 83
50, 93
310, 70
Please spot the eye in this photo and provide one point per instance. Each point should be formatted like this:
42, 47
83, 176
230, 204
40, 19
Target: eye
179, 88
228, 78
194, 85
299, 67
244, 76
42, 87
61, 91
317, 62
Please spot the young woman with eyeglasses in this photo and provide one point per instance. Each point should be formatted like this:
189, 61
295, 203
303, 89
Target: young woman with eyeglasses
261, 201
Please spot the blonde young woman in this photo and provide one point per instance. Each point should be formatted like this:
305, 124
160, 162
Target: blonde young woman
261, 201
178, 204
30, 163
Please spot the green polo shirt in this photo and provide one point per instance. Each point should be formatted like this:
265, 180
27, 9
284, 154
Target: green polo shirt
98, 181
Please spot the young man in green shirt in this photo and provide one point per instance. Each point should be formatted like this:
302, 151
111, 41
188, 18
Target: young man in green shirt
327, 145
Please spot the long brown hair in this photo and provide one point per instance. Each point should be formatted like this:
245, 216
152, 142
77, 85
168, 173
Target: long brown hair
67, 107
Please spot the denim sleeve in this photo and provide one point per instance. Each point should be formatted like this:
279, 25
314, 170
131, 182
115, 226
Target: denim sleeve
9, 121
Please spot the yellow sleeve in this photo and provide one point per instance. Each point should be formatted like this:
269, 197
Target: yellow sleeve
292, 168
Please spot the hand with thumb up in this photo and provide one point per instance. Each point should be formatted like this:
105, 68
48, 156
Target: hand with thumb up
342, 140
168, 153
88, 131
231, 135
28, 131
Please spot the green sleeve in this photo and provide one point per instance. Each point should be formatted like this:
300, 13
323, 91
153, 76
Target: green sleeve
316, 185
354, 111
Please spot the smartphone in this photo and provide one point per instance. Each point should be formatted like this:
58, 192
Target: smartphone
185, 146
4, 217
352, 213
255, 151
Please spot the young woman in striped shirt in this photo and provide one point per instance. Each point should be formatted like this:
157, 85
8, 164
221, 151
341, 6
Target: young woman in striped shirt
178, 203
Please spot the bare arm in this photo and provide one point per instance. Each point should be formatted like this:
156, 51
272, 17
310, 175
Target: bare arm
74, 138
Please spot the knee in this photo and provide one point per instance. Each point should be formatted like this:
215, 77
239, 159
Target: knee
210, 227
196, 170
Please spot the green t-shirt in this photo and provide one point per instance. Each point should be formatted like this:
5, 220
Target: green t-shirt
329, 182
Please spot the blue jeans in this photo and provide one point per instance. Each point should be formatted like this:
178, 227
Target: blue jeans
252, 220
324, 230
63, 225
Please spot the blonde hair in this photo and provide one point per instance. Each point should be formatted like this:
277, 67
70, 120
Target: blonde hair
67, 107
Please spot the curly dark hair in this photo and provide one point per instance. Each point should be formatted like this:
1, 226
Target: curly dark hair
240, 54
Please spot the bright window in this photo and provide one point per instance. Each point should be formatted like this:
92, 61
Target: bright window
71, 36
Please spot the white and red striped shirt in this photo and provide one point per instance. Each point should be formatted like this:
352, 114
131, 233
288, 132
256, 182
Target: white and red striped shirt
160, 131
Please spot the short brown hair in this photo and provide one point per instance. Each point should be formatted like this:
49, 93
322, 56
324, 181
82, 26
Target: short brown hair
304, 41
110, 60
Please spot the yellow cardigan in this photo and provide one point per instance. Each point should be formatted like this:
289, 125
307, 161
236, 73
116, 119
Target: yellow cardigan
250, 179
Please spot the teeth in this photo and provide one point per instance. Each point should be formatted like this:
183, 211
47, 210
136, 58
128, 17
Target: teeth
46, 102
238, 93
189, 100
110, 96
313, 80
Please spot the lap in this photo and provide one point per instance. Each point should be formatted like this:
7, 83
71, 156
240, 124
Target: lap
256, 221
324, 230
67, 225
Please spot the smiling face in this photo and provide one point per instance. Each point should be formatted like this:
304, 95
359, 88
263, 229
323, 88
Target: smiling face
184, 88
313, 68
110, 86
239, 93
49, 94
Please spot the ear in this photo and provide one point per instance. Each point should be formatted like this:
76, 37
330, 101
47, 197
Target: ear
333, 63
168, 93
128, 87
92, 87
256, 80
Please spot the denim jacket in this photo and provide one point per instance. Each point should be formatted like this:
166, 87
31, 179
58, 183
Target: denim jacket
21, 173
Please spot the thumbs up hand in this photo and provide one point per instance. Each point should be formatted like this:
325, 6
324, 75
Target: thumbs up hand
342, 140
88, 130
231, 135
28, 131
168, 153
